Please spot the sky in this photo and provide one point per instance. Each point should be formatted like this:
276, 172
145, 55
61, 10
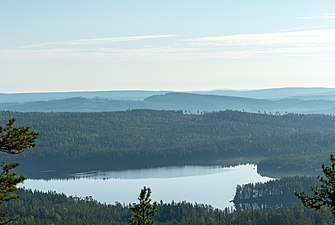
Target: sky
76, 45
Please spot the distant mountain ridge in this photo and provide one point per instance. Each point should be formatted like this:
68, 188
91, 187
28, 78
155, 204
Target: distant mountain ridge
76, 104
196, 102
278, 93
140, 95
46, 96
189, 102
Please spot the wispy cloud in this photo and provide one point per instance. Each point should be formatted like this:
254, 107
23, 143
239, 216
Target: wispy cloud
299, 38
97, 41
319, 16
131, 54
304, 28
299, 43
320, 43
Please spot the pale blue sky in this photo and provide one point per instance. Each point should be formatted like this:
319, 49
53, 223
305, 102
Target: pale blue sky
68, 45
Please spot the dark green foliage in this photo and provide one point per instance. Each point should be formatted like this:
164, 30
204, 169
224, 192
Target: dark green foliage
37, 208
12, 141
272, 194
34, 208
324, 193
304, 163
8, 182
144, 211
112, 140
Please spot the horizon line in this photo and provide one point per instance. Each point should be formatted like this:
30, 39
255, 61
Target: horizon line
169, 90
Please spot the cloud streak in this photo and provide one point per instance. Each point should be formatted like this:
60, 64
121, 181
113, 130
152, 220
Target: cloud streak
161, 54
320, 16
98, 41
312, 43
298, 38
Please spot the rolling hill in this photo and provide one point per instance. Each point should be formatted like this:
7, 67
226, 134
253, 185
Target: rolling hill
188, 102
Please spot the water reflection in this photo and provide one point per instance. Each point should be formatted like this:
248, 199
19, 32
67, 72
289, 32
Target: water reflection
207, 185
160, 172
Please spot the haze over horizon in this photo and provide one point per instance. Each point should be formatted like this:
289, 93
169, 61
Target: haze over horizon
165, 45
166, 90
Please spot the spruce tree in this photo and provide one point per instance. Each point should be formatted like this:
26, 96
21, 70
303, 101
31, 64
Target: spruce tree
324, 194
13, 140
144, 211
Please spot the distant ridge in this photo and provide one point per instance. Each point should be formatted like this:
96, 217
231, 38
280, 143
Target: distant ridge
302, 93
188, 102
46, 96
279, 93
197, 102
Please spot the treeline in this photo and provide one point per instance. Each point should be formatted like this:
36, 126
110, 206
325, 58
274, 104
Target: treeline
37, 208
285, 164
272, 194
145, 138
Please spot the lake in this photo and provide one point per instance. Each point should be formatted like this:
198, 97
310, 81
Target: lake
211, 185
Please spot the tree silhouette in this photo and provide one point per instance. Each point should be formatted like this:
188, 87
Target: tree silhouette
12, 141
144, 210
323, 195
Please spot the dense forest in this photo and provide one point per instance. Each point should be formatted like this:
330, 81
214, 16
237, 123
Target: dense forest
284, 165
74, 142
272, 194
37, 208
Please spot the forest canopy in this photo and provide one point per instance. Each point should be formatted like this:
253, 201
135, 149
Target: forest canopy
109, 140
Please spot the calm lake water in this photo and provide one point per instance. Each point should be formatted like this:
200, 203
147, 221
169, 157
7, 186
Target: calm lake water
202, 184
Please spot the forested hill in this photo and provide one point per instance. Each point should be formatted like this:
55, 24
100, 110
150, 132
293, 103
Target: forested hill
74, 142
77, 104
194, 103
210, 103
301, 93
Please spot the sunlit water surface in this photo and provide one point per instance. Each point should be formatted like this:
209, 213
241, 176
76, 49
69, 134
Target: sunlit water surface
201, 184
